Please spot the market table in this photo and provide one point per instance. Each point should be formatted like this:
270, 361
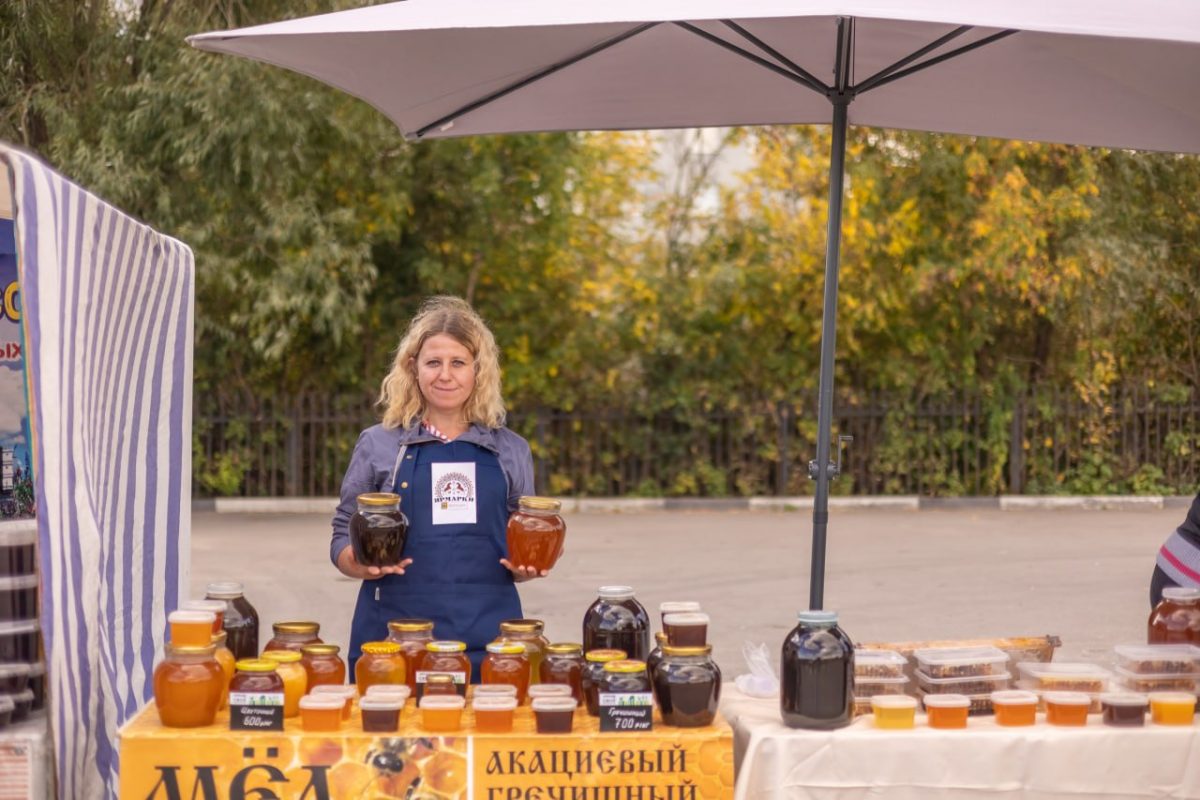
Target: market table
984, 760
214, 762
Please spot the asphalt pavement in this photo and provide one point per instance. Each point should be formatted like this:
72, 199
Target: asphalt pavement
891, 575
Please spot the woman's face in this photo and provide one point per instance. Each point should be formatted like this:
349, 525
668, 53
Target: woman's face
445, 373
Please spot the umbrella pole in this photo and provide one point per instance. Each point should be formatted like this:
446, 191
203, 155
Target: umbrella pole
823, 468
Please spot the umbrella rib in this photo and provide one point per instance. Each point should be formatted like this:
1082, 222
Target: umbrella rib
813, 82
746, 54
537, 76
844, 57
995, 37
904, 62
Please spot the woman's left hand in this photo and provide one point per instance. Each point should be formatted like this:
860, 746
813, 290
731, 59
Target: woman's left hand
521, 574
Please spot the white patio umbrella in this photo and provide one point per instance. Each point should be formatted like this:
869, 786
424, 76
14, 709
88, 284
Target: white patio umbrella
1096, 72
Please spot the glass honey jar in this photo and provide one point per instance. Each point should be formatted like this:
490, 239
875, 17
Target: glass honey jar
295, 679
593, 676
446, 658
293, 636
536, 533
412, 635
564, 664
378, 530
1176, 618
240, 619
188, 684
617, 621
322, 665
817, 673
506, 662
226, 659
380, 663
687, 686
529, 633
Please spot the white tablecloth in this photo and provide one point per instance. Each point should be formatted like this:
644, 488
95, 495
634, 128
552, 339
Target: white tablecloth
860, 761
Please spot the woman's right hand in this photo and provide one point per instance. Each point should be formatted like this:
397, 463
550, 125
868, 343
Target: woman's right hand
350, 567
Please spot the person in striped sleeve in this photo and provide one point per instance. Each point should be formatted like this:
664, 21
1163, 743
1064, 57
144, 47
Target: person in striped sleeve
1178, 562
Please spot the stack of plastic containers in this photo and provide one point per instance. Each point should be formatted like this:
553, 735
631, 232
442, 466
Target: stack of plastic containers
877, 672
1145, 668
1065, 676
975, 672
22, 678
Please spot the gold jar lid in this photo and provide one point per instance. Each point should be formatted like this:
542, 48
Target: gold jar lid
625, 666
522, 626
506, 648
410, 625
694, 650
540, 503
296, 627
602, 656
321, 649
378, 499
565, 649
190, 649
255, 665
381, 648
444, 646
281, 656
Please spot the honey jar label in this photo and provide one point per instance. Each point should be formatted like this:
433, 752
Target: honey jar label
256, 711
459, 677
626, 712
453, 493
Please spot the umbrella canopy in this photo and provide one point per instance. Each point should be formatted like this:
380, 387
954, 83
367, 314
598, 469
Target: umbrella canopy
1093, 72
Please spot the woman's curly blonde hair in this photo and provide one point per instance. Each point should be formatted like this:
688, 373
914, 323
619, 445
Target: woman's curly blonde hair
401, 399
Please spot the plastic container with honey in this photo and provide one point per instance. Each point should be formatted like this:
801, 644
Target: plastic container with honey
676, 607
961, 662
969, 684
390, 691
1068, 709
1065, 676
295, 680
506, 662
1124, 709
293, 636
493, 714
871, 664
412, 635
869, 687
214, 607
345, 693
188, 684
1158, 659
554, 714
380, 714
1015, 707
1144, 683
947, 711
894, 711
381, 662
1172, 708
442, 713
686, 629
321, 713
191, 628
323, 665
550, 690
535, 533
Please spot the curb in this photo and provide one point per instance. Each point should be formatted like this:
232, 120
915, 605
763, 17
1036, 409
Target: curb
633, 505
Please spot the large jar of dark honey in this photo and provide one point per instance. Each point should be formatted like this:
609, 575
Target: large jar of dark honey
536, 533
617, 621
188, 685
412, 635
378, 530
817, 673
1176, 618
687, 686
293, 636
240, 621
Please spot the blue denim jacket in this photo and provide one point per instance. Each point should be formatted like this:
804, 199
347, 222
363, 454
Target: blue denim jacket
373, 463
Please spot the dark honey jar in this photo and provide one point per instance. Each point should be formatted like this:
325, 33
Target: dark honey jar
240, 621
687, 686
617, 621
536, 533
378, 530
564, 664
817, 676
293, 636
593, 675
627, 676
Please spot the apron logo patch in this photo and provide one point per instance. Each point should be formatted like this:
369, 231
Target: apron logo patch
454, 493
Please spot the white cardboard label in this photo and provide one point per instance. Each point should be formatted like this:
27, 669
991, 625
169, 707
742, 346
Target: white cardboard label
454, 493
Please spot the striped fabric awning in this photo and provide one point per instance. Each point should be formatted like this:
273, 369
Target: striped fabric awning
107, 314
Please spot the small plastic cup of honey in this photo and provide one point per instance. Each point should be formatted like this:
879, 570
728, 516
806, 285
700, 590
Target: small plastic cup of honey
214, 607
1067, 708
677, 607
689, 629
539, 690
389, 690
1014, 708
894, 711
346, 693
493, 714
321, 712
554, 714
947, 711
1124, 709
380, 713
191, 628
496, 690
1172, 708
442, 713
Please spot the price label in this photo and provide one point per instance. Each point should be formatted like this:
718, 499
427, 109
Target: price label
627, 712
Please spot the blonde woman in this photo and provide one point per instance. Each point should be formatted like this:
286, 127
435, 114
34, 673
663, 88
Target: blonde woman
442, 446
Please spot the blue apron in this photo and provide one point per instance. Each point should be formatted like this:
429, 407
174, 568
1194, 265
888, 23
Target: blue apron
455, 579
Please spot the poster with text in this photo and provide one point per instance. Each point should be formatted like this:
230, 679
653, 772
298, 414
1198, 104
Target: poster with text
16, 477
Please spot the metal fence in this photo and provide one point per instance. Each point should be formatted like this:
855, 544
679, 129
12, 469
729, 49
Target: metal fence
1040, 442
